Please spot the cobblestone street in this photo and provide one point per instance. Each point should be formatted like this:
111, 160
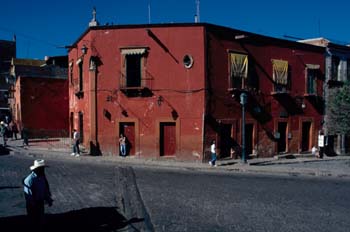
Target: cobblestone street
105, 194
84, 196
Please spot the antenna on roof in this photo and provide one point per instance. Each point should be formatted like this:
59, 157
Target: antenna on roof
197, 15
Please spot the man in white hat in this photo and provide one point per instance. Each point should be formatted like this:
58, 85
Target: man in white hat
37, 193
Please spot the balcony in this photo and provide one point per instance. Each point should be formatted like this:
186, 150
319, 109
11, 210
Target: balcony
236, 84
136, 87
280, 90
333, 83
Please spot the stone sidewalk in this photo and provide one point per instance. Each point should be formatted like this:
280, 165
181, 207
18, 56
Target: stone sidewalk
292, 165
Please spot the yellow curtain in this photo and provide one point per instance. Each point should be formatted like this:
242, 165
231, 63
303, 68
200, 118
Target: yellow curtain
239, 65
280, 71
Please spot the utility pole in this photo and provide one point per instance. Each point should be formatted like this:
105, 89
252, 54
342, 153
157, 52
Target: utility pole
243, 102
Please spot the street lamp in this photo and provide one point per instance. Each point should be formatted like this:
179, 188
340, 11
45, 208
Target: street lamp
243, 102
84, 49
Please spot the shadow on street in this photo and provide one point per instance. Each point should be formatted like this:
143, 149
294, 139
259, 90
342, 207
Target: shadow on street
102, 219
4, 150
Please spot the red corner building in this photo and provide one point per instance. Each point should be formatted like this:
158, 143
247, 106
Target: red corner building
173, 88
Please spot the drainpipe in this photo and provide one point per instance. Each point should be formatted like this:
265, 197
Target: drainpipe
205, 105
93, 107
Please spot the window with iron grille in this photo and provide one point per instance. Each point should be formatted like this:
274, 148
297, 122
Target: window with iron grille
311, 79
71, 72
133, 74
133, 70
81, 76
335, 68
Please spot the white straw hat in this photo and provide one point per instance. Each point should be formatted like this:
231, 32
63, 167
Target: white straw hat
37, 164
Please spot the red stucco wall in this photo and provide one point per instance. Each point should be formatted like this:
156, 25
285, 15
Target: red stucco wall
199, 95
180, 89
43, 105
261, 50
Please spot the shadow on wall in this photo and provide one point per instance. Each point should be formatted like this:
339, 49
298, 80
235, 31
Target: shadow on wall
102, 219
95, 149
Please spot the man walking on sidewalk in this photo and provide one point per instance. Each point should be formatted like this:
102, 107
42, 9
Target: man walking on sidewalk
76, 141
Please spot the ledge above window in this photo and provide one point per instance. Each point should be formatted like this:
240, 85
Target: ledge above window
282, 92
134, 50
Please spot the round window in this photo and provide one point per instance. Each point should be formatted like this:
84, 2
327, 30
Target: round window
188, 61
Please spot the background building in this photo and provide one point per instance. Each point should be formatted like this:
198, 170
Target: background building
39, 99
7, 52
337, 73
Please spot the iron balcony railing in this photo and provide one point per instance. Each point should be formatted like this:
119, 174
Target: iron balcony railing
145, 82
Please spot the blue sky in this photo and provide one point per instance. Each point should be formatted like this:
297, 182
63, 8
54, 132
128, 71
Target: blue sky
42, 26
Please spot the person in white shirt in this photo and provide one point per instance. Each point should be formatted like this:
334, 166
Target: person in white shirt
212, 162
76, 141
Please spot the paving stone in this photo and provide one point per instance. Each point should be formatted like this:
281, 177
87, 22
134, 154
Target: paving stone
77, 189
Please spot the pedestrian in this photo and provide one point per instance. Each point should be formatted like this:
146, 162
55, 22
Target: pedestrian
314, 151
321, 144
9, 133
122, 145
14, 129
37, 194
76, 142
24, 135
7, 119
3, 132
212, 162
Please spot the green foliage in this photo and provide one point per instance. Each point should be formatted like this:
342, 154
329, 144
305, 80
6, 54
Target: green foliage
338, 110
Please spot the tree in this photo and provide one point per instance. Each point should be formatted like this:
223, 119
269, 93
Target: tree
338, 110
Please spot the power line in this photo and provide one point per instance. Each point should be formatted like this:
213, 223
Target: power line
29, 37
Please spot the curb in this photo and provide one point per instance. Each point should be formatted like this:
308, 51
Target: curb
267, 167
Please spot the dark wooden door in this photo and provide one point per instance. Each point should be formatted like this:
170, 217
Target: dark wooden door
249, 130
282, 141
226, 141
81, 127
128, 129
167, 143
305, 137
